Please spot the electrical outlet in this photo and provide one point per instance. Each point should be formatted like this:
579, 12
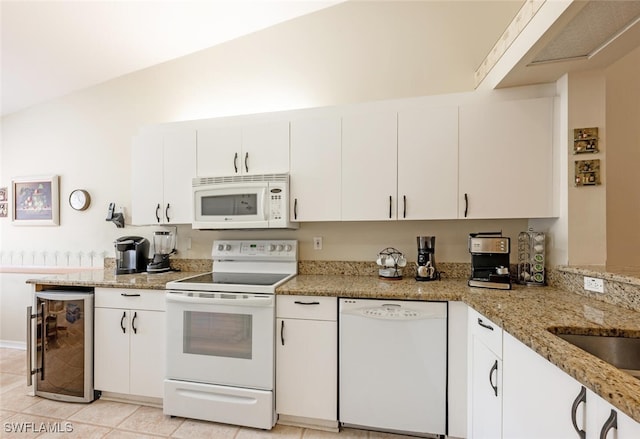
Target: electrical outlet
594, 284
317, 243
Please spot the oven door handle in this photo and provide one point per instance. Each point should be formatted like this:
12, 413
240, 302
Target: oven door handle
262, 301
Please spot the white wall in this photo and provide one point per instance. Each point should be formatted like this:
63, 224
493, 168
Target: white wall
353, 52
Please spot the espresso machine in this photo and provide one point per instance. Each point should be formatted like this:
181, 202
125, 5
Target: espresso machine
426, 259
163, 247
489, 260
132, 254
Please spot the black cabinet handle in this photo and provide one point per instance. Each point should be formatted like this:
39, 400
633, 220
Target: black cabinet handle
295, 208
124, 314
494, 368
246, 162
282, 332
129, 295
582, 397
43, 328
610, 423
466, 205
484, 325
133, 323
404, 206
390, 202
297, 302
235, 162
157, 214
166, 213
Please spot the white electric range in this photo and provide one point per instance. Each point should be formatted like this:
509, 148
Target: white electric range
221, 331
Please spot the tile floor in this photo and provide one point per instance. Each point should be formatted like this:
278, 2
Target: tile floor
115, 420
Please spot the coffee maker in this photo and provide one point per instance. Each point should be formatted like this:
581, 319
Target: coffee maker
489, 260
132, 254
163, 247
426, 259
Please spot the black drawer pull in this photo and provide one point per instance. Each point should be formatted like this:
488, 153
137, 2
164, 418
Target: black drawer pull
582, 397
484, 325
297, 302
130, 295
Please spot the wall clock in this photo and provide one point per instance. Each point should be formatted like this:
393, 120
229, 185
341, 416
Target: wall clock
79, 199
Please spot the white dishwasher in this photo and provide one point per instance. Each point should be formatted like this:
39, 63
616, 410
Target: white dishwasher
393, 365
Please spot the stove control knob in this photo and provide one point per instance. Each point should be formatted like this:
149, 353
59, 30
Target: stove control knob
220, 247
227, 247
288, 248
272, 247
279, 247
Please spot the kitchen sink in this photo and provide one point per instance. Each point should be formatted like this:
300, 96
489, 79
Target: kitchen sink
621, 352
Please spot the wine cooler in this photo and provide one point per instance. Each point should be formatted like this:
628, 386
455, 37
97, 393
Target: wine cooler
60, 345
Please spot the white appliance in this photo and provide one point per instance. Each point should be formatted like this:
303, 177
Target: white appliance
221, 334
393, 365
242, 202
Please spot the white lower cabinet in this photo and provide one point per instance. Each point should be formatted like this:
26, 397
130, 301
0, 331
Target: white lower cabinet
542, 401
129, 353
306, 360
485, 378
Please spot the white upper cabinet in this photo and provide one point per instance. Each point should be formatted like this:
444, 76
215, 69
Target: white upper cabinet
506, 159
234, 148
369, 165
163, 164
315, 169
428, 163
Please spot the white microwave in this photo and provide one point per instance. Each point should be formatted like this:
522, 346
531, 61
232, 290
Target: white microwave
242, 202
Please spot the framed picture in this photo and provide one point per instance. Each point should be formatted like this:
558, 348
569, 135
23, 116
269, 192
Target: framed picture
36, 201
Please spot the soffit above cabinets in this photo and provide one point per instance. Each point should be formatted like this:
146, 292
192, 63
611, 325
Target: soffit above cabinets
550, 38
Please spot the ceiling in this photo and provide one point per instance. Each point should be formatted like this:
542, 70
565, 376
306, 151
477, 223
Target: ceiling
52, 48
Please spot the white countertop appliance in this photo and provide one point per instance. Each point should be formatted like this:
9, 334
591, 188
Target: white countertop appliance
393, 365
221, 332
242, 202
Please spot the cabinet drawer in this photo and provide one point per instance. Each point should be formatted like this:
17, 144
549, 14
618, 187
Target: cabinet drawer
307, 307
152, 300
485, 330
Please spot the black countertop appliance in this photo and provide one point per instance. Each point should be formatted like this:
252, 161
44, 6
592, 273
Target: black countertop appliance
132, 254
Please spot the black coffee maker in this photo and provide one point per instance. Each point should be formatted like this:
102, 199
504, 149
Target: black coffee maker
426, 259
489, 260
132, 254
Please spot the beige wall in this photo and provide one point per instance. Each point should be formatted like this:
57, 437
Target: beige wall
587, 204
353, 52
623, 162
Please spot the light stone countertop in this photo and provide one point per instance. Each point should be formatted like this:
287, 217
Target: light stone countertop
527, 313
524, 312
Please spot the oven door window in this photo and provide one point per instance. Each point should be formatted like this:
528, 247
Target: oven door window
218, 334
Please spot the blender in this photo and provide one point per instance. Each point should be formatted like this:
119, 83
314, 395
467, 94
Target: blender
163, 247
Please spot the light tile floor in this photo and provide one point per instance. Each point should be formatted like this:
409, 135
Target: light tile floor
115, 420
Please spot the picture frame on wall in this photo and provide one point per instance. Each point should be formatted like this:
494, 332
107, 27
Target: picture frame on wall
36, 200
4, 208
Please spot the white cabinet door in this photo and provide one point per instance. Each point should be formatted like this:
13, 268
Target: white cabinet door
147, 353
306, 368
234, 148
179, 168
599, 416
486, 392
111, 350
428, 163
506, 159
219, 150
369, 166
146, 179
163, 164
265, 148
538, 396
315, 169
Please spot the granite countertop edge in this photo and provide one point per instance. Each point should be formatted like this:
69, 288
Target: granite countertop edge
527, 313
